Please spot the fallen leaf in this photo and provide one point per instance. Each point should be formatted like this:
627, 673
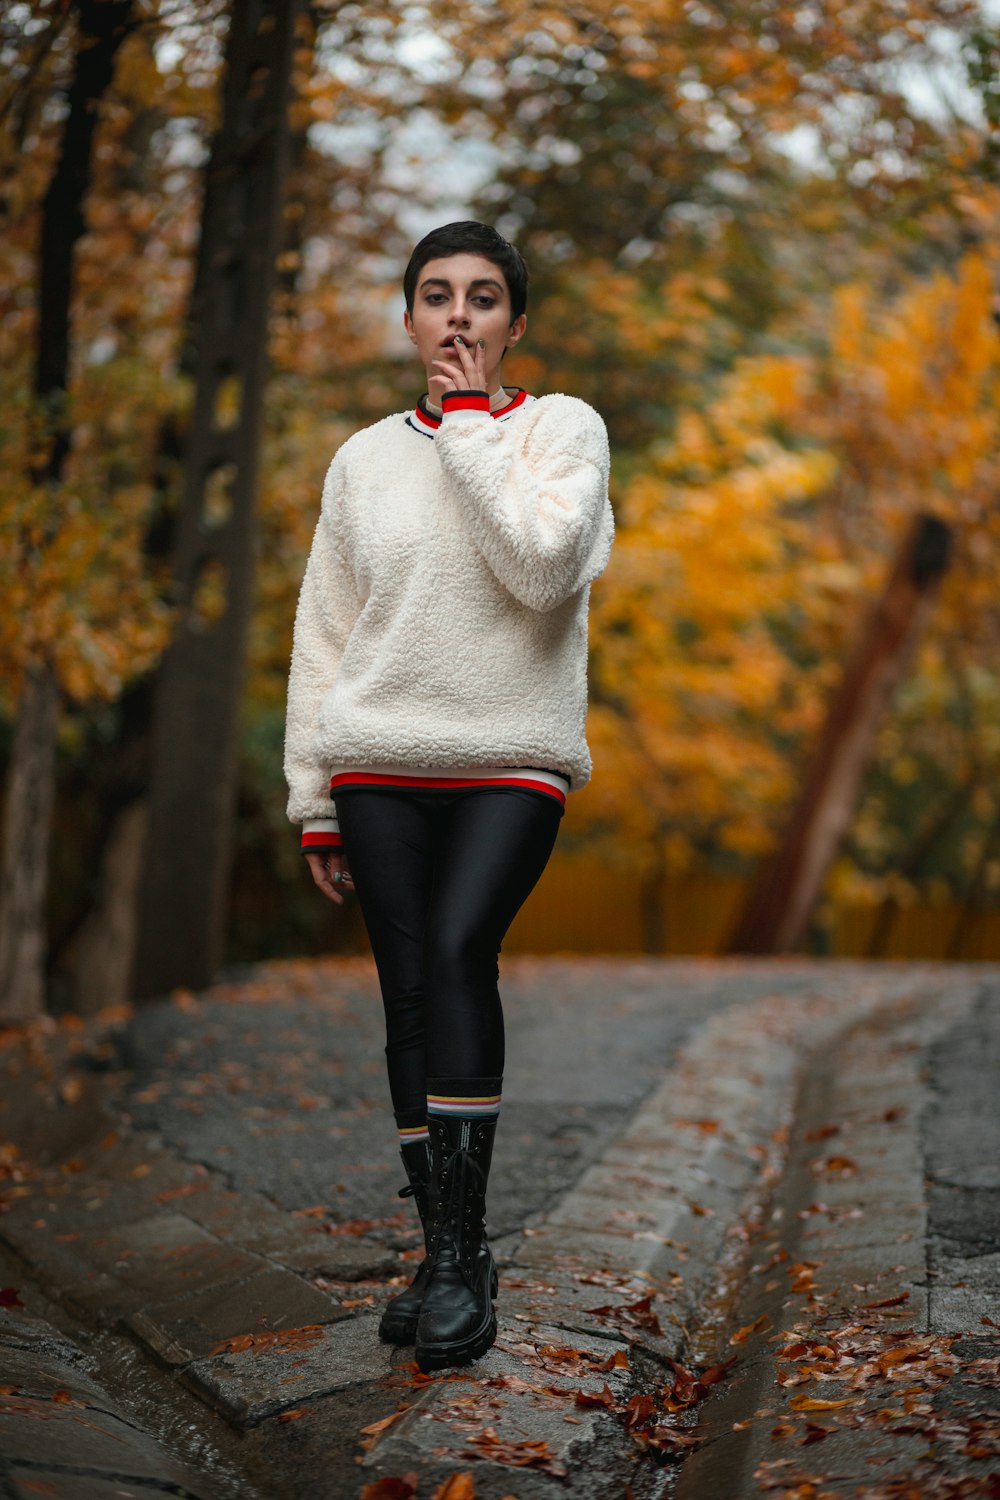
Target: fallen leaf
715, 1373
603, 1397
887, 1302
393, 1487
742, 1334
816, 1403
374, 1428
616, 1361
9, 1297
456, 1487
289, 1338
639, 1314
838, 1164
294, 1416
534, 1454
666, 1440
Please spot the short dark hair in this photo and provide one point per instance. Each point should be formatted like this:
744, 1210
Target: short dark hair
467, 237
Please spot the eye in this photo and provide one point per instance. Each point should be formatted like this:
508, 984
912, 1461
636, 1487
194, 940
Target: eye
485, 301
434, 297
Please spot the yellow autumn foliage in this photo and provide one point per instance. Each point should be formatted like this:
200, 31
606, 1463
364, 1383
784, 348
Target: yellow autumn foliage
749, 547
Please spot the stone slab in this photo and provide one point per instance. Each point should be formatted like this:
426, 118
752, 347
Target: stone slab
247, 1387
67, 1436
37, 1375
189, 1328
517, 1391
114, 1272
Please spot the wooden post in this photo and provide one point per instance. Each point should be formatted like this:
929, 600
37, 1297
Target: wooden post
781, 901
182, 907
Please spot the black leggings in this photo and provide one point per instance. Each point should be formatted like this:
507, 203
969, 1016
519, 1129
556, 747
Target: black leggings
440, 876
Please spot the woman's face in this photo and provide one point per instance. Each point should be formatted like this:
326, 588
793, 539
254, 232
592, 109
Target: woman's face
466, 295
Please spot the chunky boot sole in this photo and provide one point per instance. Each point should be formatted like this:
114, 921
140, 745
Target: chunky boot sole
461, 1351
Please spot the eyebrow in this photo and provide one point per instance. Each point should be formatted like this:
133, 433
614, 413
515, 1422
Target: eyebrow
479, 281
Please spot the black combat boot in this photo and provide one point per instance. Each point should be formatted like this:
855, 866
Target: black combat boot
399, 1321
457, 1322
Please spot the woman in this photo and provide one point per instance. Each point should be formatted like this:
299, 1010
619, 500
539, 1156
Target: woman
438, 694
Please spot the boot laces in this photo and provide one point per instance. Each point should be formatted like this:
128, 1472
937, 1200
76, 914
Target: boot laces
462, 1178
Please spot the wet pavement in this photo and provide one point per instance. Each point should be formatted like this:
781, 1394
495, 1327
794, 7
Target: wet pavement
696, 1161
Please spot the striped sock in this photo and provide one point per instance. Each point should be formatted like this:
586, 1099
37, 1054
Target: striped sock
464, 1098
411, 1134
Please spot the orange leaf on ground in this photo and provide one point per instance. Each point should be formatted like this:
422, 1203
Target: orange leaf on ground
604, 1397
616, 1361
456, 1487
742, 1334
288, 1338
816, 1403
374, 1428
715, 1373
534, 1454
393, 1487
294, 1416
888, 1301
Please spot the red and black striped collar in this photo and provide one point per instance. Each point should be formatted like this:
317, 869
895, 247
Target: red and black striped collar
424, 421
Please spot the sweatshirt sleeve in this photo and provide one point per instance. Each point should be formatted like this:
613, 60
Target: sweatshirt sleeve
327, 609
540, 514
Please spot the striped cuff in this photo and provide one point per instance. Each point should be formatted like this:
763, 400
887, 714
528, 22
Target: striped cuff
475, 1098
321, 836
462, 405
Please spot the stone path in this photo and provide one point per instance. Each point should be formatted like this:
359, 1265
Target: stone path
784, 1132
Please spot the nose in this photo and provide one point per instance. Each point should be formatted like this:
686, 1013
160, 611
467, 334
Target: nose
459, 315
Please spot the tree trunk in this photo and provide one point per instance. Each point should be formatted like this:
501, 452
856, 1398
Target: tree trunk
780, 903
102, 27
100, 956
25, 871
182, 905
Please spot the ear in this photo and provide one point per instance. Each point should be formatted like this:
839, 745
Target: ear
516, 331
408, 325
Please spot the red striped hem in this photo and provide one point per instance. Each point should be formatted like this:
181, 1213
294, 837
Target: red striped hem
375, 778
426, 419
465, 401
321, 842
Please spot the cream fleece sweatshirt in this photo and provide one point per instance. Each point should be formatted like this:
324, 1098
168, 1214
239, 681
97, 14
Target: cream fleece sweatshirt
442, 620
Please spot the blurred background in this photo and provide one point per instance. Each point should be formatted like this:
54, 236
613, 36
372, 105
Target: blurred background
764, 241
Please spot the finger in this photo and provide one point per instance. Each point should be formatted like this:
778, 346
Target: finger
323, 880
451, 377
467, 359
